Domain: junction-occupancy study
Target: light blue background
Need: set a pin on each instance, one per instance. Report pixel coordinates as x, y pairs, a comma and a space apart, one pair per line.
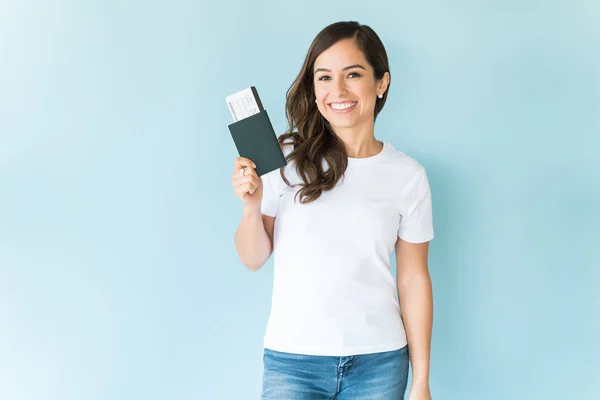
118, 272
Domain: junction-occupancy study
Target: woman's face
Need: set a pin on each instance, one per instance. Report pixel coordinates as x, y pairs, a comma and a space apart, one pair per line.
345, 85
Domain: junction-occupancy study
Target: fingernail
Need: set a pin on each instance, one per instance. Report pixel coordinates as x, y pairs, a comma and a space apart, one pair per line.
254, 165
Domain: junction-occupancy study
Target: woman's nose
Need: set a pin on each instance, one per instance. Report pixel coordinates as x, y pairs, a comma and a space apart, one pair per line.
340, 87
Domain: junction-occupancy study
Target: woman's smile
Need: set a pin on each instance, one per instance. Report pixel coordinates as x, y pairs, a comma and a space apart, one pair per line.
342, 108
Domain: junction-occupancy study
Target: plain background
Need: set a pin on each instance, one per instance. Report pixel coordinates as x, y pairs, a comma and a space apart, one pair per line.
118, 272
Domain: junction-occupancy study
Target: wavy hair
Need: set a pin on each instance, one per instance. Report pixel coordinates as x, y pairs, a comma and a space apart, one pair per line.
310, 133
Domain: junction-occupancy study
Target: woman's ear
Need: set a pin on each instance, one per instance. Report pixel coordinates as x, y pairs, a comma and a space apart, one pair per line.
383, 83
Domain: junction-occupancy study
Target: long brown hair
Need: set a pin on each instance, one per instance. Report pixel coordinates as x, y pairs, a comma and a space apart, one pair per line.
310, 133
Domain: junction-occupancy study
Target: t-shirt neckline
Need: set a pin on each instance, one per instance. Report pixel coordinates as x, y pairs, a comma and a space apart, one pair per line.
369, 160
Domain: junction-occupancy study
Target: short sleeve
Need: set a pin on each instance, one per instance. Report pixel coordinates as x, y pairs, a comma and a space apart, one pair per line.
416, 226
270, 199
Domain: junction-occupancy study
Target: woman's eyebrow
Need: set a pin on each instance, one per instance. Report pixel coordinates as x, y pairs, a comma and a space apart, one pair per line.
344, 69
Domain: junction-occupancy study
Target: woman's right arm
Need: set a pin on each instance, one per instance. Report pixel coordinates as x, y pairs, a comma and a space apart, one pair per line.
254, 236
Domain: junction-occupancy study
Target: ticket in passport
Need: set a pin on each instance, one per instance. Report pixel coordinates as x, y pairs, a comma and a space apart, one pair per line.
244, 104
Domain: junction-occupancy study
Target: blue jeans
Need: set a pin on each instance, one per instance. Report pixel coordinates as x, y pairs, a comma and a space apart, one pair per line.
376, 376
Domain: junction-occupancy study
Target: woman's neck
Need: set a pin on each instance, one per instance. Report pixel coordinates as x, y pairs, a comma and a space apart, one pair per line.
360, 142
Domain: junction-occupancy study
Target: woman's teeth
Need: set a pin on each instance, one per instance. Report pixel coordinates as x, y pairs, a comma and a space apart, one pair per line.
343, 106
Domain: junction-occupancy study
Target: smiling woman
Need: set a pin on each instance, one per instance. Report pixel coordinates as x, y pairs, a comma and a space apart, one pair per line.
335, 330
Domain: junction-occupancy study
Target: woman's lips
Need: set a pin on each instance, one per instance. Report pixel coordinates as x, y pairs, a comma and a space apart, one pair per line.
343, 110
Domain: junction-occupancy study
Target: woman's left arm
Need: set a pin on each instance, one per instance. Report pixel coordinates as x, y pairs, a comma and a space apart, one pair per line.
416, 305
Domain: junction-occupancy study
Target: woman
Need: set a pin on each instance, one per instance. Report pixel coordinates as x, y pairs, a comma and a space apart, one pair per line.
332, 218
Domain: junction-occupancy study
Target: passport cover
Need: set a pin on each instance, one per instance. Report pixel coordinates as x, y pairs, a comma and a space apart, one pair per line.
255, 139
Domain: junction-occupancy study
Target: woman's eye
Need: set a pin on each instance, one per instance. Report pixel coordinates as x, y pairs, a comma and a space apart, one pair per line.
350, 75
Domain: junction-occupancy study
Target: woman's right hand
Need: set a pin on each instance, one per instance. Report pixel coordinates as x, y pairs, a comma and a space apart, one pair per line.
247, 185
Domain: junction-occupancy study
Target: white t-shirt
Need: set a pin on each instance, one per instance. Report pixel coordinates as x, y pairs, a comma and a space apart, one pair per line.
333, 291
